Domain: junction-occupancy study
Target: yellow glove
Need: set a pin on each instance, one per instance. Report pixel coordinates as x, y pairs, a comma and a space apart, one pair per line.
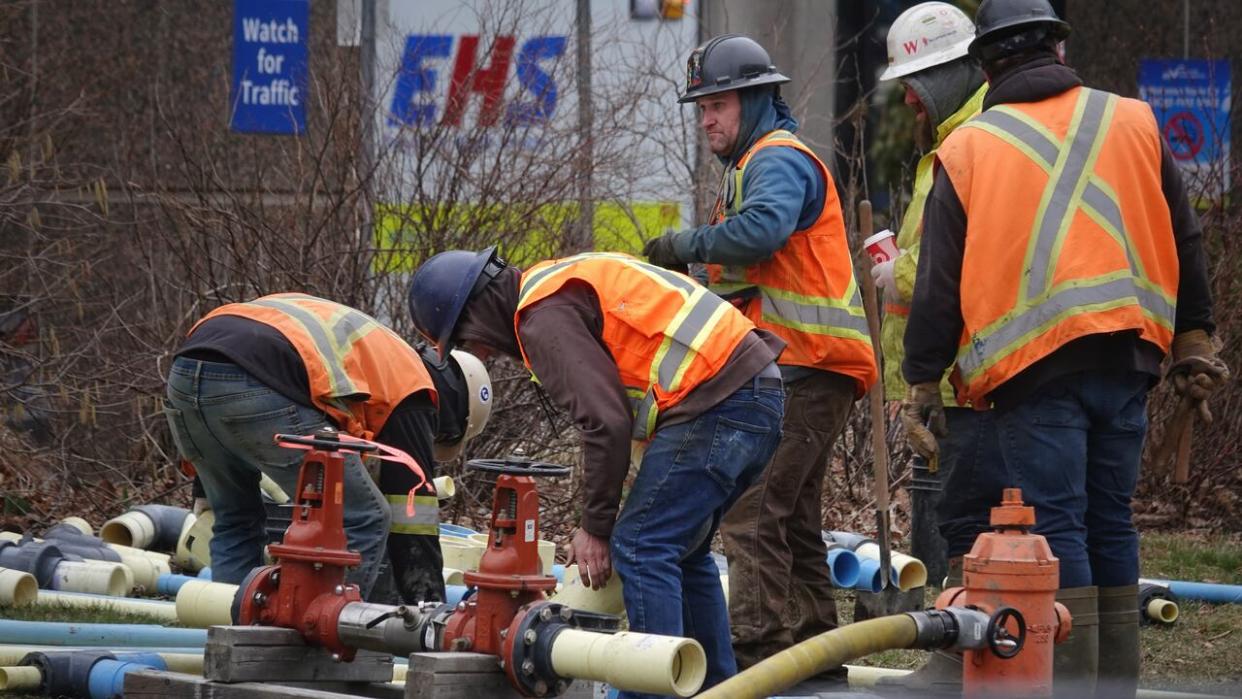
1196, 372
922, 413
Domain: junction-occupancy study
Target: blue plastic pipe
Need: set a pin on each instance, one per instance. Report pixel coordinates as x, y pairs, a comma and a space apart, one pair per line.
170, 583
843, 567
558, 572
868, 575
455, 530
204, 574
54, 633
454, 593
107, 677
1204, 592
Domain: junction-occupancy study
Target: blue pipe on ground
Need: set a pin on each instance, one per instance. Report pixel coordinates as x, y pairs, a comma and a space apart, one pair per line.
70, 540
558, 572
844, 568
107, 677
868, 575
455, 530
54, 633
65, 673
454, 593
1204, 592
168, 523
39, 559
204, 574
170, 583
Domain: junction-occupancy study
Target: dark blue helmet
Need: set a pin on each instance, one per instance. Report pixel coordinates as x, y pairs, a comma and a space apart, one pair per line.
442, 286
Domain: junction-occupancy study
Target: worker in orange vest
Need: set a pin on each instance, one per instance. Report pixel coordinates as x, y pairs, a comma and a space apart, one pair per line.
776, 248
293, 363
632, 352
1060, 262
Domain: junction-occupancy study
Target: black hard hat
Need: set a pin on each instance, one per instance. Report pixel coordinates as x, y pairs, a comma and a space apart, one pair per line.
443, 285
1004, 27
728, 62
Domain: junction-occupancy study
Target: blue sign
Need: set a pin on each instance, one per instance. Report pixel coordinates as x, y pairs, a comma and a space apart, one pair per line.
1190, 99
269, 66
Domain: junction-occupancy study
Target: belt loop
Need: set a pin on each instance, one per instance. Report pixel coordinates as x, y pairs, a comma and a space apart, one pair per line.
198, 371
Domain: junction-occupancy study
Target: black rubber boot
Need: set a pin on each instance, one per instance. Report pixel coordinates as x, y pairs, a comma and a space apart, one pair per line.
1119, 656
1075, 663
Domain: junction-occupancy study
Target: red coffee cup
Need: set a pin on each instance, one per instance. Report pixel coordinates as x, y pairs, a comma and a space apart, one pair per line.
882, 246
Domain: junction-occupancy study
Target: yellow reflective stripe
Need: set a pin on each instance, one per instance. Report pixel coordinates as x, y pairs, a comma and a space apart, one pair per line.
1013, 330
645, 415
426, 519
332, 339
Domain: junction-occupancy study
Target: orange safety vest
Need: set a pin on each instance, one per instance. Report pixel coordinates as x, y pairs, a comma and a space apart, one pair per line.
666, 333
358, 369
807, 294
1068, 233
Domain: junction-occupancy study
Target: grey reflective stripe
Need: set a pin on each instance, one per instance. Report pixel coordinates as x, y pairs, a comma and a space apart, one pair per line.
813, 314
989, 347
426, 519
705, 305
1093, 196
340, 382
1065, 190
645, 413
674, 280
1022, 131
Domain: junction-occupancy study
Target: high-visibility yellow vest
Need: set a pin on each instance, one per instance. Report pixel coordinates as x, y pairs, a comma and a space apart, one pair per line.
1068, 233
666, 333
806, 292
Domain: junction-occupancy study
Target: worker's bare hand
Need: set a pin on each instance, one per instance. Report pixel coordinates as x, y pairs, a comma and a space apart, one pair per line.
592, 555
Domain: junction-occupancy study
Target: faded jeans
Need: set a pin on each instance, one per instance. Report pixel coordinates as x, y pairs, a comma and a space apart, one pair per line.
222, 421
1073, 447
690, 475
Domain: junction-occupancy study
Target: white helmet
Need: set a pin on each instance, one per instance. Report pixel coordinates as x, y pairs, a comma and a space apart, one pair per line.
928, 34
479, 396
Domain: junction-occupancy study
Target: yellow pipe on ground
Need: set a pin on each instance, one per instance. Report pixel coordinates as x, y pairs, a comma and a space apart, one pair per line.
163, 611
574, 593
79, 524
445, 487
629, 661
190, 663
17, 588
1162, 610
273, 490
911, 572
196, 541
815, 655
20, 680
452, 576
145, 568
94, 577
460, 553
201, 604
133, 528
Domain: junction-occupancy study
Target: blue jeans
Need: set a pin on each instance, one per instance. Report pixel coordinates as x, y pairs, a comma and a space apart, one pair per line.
974, 476
1073, 447
690, 475
222, 421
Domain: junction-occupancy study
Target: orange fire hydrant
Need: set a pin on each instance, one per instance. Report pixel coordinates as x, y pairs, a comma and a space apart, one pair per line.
1012, 575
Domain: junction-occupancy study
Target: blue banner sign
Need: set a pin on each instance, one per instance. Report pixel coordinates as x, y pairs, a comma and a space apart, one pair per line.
269, 66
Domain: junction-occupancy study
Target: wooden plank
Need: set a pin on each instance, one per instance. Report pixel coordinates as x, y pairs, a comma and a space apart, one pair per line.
171, 685
453, 662
265, 654
458, 685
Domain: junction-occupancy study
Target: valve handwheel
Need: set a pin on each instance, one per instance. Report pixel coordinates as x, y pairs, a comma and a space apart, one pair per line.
1002, 643
518, 466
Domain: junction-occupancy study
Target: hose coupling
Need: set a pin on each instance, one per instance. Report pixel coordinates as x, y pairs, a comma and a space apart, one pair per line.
952, 628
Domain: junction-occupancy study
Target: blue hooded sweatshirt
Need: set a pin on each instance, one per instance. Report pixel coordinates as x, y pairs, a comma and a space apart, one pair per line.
783, 191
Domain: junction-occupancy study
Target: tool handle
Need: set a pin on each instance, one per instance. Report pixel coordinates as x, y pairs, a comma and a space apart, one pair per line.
879, 441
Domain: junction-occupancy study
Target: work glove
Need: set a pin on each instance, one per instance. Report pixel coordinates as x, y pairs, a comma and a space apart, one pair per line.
922, 413
659, 251
1196, 372
882, 274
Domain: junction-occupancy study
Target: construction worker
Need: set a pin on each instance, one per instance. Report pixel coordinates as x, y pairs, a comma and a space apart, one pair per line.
1060, 262
776, 248
630, 351
293, 363
943, 87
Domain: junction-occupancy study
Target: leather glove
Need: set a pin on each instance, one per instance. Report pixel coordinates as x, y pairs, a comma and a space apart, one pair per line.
922, 413
882, 274
1196, 372
659, 251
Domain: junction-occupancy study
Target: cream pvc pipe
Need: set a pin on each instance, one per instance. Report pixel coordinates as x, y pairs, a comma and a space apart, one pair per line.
131, 551
133, 528
273, 490
20, 680
480, 539
547, 556
201, 604
460, 554
452, 576
399, 673
146, 567
910, 571
95, 577
183, 658
79, 524
182, 555
575, 594
445, 487
197, 541
636, 662
863, 676
164, 611
17, 588
1162, 610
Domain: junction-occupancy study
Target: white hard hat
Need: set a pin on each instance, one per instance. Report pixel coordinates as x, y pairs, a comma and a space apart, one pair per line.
479, 398
928, 34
